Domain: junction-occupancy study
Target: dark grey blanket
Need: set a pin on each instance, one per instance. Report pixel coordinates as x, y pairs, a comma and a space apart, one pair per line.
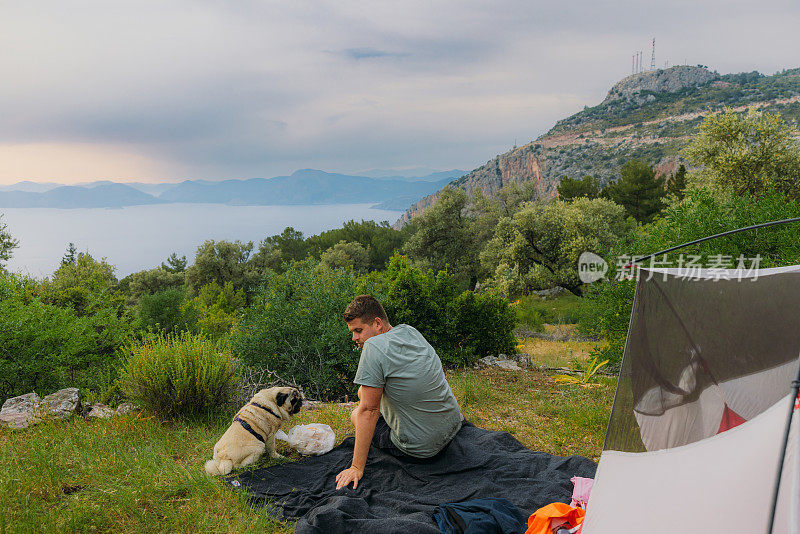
397, 496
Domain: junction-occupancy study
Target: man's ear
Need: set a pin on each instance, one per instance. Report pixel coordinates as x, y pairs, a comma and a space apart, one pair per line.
378, 322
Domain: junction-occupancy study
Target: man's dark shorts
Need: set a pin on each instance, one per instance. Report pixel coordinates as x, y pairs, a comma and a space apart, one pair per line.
382, 440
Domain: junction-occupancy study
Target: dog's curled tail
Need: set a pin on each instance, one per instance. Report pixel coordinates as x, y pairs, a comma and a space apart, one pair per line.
219, 467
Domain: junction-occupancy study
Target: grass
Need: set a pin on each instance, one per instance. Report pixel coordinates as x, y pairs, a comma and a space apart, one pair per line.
141, 474
542, 415
534, 311
558, 353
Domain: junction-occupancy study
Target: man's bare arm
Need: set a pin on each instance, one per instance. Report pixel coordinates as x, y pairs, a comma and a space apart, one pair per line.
364, 418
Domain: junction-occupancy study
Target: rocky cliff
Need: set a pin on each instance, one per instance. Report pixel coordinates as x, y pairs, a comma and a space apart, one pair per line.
646, 84
650, 116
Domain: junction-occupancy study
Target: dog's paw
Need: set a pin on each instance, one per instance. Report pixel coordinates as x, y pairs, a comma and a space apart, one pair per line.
276, 455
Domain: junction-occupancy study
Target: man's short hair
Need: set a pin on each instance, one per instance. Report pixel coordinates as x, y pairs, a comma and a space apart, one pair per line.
366, 308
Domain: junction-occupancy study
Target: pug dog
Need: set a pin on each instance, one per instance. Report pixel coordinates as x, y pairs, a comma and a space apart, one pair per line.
253, 429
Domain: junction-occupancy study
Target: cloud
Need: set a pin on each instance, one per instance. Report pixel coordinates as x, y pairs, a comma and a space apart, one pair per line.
215, 90
370, 53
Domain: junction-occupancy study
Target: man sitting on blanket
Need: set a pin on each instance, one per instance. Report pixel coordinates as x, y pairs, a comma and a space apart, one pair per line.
406, 406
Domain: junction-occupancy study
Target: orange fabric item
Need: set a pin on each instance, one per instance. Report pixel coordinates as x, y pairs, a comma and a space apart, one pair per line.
539, 522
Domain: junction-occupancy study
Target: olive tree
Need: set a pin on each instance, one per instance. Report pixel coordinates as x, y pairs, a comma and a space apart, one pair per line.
747, 153
539, 246
344, 255
222, 261
443, 240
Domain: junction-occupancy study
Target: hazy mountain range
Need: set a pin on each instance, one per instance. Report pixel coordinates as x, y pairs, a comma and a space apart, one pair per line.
387, 189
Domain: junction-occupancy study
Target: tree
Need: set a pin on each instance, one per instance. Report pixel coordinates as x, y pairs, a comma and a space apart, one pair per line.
161, 311
379, 239
86, 286
442, 239
638, 191
540, 245
676, 185
220, 262
344, 255
513, 195
749, 153
267, 258
153, 281
291, 244
278, 249
70, 255
7, 243
215, 310
572, 188
174, 264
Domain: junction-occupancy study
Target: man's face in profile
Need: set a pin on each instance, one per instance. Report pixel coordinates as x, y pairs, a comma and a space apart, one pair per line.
362, 331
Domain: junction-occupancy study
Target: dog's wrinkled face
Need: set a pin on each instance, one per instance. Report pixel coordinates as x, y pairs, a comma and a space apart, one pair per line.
290, 399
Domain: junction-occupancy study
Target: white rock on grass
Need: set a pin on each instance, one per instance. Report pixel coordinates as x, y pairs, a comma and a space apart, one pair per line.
101, 411
17, 412
126, 408
62, 404
500, 361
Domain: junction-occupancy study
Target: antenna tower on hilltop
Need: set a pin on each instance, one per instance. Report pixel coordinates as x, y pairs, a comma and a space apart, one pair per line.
653, 56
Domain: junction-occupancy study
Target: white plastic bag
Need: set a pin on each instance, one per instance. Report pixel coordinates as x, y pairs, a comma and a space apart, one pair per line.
312, 439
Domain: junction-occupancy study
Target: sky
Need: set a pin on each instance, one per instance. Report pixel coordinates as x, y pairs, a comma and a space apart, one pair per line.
156, 91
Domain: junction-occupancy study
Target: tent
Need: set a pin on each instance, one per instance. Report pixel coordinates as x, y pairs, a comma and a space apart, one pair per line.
700, 414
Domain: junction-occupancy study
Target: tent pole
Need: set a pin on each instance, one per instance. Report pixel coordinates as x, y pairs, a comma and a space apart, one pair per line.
795, 390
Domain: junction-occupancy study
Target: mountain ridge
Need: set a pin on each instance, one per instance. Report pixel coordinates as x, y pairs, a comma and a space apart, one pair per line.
303, 187
650, 116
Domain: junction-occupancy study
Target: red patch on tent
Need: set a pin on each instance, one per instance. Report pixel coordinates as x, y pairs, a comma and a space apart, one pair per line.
730, 419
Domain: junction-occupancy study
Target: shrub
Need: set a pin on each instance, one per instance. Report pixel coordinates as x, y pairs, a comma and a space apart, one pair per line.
294, 327
161, 311
44, 348
483, 325
85, 285
178, 375
215, 310
461, 326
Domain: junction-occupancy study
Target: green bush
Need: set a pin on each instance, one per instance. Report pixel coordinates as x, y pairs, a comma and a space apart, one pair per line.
483, 325
461, 326
294, 327
44, 348
161, 311
215, 310
178, 375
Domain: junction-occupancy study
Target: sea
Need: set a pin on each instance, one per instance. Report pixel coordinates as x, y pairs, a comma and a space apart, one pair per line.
141, 237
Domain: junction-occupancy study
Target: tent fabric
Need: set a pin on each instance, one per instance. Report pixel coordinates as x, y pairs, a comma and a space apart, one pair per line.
397, 496
701, 406
699, 343
719, 484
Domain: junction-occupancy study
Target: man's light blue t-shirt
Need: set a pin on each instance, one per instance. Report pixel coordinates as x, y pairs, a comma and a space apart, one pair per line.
417, 402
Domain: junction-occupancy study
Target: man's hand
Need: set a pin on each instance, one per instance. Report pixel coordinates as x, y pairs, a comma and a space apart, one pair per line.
364, 418
352, 474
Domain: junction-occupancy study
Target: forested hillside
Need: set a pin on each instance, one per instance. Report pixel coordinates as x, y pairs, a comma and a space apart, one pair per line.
650, 116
